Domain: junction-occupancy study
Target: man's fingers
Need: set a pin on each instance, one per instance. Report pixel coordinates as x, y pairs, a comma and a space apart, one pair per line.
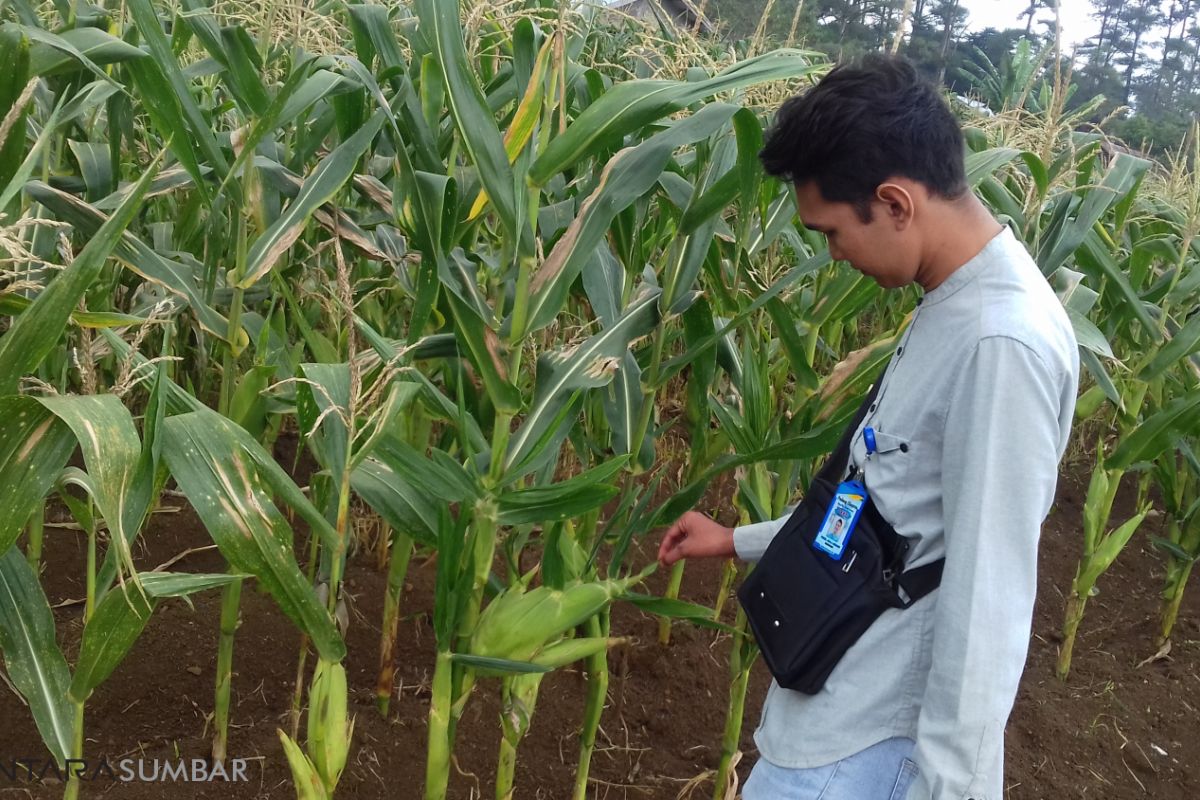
672, 542
673, 554
669, 540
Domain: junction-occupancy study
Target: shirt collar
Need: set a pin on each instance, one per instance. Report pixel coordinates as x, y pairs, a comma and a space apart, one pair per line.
970, 270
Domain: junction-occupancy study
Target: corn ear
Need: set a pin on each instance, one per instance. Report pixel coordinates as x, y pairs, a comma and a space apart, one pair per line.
516, 625
308, 784
329, 733
569, 650
1089, 402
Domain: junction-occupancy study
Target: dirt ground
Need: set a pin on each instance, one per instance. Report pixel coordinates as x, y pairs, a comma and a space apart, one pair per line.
1119, 728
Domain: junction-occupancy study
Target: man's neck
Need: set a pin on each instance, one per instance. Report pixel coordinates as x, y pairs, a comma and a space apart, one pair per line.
964, 228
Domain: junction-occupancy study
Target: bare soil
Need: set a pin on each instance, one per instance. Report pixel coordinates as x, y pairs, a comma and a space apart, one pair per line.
1119, 728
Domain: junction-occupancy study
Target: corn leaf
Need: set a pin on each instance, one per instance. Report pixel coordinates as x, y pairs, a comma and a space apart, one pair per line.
10, 188
298, 92
524, 119
1095, 258
119, 619
221, 479
1095, 367
673, 608
603, 282
35, 664
201, 130
1110, 547
817, 442
249, 406
330, 218
84, 46
168, 180
766, 230
138, 257
487, 665
676, 364
168, 120
373, 30
622, 400
687, 253
630, 174
14, 73
1060, 242
563, 500
182, 584
324, 394
982, 164
122, 482
631, 105
34, 447
1185, 342
402, 505
560, 374
483, 345
13, 304
438, 475
1088, 335
95, 165
439, 19
319, 188
1154, 434
234, 51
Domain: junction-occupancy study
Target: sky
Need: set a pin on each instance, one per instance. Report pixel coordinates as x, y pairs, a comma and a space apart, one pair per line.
1077, 23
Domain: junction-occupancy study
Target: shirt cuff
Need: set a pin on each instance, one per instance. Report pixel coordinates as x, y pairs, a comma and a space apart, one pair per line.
750, 541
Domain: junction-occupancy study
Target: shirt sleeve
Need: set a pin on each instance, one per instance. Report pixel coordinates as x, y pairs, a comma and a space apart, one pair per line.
1003, 439
751, 541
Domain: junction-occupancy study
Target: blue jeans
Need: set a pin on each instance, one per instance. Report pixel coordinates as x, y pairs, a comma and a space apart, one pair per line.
883, 771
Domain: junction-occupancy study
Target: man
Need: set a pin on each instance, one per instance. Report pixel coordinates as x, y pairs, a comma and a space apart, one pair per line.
971, 419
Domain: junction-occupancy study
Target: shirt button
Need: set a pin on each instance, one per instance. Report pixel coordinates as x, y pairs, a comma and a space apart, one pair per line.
872, 408
899, 352
903, 448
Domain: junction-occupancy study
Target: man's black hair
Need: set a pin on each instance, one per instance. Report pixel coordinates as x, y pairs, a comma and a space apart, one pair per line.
862, 124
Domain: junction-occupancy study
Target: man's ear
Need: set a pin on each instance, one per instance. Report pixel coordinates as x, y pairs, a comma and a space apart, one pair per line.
898, 202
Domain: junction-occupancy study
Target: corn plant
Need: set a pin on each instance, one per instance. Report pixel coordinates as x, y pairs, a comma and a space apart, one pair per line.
1177, 471
1151, 405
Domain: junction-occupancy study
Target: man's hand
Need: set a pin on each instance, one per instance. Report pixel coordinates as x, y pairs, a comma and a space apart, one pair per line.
695, 536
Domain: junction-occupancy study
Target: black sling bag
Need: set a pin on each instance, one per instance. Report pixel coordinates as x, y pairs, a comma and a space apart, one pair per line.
805, 608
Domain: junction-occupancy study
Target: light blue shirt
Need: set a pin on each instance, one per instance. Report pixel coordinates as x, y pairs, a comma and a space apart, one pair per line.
972, 417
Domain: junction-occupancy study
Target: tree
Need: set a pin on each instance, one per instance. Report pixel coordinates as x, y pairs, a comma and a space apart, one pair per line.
1106, 11
1139, 18
1031, 11
952, 19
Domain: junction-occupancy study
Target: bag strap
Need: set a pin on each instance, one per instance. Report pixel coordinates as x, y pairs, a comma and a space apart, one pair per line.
835, 466
919, 581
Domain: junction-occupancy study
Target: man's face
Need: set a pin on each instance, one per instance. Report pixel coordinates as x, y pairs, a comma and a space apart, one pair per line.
879, 249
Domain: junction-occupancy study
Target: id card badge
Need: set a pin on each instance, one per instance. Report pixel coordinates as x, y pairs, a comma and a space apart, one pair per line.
840, 519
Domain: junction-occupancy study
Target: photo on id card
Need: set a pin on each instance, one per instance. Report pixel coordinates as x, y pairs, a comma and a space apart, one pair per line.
840, 519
